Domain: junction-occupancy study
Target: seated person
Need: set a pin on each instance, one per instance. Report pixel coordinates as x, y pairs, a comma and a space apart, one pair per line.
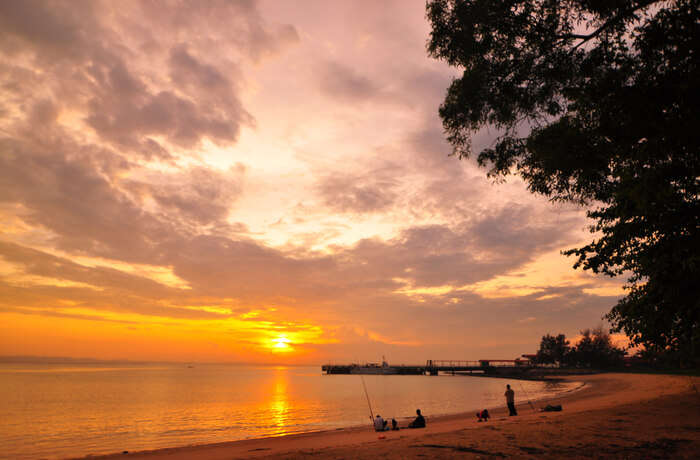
483, 415
419, 422
380, 424
394, 425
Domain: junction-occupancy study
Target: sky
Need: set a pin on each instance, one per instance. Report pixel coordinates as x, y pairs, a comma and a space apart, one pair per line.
260, 181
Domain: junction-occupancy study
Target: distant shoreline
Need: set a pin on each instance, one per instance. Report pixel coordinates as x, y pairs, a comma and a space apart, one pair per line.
602, 398
15, 359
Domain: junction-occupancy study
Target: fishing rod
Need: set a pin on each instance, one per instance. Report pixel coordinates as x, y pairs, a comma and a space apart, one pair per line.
371, 414
527, 397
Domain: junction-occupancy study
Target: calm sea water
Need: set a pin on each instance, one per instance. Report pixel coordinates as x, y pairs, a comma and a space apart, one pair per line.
56, 411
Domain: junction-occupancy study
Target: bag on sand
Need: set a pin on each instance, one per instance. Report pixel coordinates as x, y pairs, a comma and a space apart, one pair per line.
551, 408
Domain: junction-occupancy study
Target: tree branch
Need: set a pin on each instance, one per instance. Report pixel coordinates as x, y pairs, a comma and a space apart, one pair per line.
588, 37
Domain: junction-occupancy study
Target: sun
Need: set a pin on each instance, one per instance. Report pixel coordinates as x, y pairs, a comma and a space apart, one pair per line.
281, 343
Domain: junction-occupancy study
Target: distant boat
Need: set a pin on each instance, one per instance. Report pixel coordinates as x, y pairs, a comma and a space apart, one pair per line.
374, 368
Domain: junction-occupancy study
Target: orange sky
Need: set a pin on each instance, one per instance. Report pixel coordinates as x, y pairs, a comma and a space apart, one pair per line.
259, 182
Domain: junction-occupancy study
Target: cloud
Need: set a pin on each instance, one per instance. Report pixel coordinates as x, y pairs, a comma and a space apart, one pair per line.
50, 31
92, 91
98, 60
235, 23
64, 191
196, 195
342, 82
186, 70
367, 193
437, 255
208, 164
39, 263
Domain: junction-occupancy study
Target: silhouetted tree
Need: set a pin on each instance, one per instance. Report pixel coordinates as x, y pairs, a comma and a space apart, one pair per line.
596, 102
595, 349
553, 350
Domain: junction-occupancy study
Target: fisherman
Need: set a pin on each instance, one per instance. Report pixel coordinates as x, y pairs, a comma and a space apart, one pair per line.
419, 422
510, 400
380, 424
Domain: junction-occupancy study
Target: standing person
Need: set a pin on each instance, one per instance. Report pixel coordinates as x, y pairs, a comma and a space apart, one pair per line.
510, 399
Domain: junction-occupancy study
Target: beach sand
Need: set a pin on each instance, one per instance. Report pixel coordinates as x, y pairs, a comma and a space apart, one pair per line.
613, 415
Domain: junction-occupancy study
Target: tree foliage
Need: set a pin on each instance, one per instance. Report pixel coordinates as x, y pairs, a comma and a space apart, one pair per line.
553, 350
595, 349
596, 102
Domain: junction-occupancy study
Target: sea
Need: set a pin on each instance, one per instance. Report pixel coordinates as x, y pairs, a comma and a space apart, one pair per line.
76, 410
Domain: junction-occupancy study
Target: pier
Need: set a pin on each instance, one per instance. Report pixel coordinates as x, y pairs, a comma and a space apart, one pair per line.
505, 367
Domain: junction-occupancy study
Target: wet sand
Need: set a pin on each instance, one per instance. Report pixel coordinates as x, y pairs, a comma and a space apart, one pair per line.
612, 416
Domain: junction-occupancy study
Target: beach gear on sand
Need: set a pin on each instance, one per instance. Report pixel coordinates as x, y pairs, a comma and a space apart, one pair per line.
552, 408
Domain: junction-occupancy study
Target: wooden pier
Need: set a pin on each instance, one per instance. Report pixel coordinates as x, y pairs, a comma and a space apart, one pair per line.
505, 367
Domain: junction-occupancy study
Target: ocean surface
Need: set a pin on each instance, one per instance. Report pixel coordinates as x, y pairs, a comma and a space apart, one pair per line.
59, 410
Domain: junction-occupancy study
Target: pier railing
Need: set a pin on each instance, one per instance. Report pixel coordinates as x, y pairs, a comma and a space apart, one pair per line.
451, 363
435, 366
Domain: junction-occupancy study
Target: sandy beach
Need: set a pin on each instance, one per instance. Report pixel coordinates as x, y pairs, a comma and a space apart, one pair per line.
613, 415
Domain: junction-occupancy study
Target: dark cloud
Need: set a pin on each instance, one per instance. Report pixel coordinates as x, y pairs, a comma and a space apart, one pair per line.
518, 229
88, 60
342, 82
350, 86
355, 193
50, 29
91, 59
219, 22
197, 195
185, 69
125, 119
437, 255
64, 192
96, 288
58, 314
42, 264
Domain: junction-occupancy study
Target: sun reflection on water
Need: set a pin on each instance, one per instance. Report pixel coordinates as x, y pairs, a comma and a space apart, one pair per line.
279, 402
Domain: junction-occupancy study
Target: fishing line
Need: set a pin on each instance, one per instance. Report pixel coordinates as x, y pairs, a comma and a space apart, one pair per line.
527, 397
371, 415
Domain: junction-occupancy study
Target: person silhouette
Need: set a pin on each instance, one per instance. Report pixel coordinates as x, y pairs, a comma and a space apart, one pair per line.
419, 422
483, 415
510, 400
380, 424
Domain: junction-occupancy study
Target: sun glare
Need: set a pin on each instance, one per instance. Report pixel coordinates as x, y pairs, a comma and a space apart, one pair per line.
281, 343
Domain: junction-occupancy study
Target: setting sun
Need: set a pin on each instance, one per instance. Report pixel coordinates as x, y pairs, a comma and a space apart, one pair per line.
281, 343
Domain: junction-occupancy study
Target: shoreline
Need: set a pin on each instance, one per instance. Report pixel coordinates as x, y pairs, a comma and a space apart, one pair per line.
403, 421
439, 418
599, 399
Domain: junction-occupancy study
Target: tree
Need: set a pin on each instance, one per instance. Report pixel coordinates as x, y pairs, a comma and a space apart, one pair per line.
595, 349
553, 350
595, 102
